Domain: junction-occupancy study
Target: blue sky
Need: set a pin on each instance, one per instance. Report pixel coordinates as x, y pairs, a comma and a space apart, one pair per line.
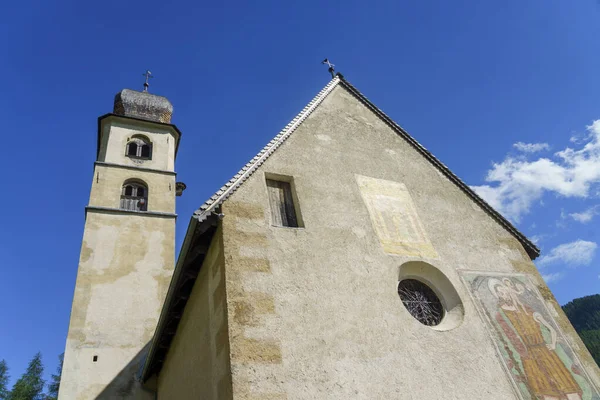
504, 93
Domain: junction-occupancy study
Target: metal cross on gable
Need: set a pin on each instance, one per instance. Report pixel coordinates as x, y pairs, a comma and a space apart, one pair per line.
330, 65
148, 75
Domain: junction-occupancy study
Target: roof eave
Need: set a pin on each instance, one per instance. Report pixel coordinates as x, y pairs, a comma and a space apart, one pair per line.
198, 237
229, 188
226, 190
532, 250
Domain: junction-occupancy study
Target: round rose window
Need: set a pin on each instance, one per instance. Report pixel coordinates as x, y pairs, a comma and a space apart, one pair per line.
421, 302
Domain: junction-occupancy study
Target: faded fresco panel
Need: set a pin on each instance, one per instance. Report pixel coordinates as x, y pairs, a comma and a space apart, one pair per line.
535, 354
395, 218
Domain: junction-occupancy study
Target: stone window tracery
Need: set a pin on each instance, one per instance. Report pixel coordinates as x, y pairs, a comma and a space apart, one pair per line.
134, 197
139, 147
421, 302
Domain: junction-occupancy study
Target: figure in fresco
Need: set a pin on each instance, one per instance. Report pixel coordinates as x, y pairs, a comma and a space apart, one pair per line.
546, 374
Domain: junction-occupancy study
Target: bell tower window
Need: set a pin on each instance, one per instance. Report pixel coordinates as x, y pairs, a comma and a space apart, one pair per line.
139, 147
134, 197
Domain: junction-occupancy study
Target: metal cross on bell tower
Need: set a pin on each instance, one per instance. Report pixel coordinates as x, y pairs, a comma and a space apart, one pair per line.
148, 75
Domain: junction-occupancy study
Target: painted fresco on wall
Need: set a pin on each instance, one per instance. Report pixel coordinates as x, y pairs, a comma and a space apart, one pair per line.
394, 217
535, 354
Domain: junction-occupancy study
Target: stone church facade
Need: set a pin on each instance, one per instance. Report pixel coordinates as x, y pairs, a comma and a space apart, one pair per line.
344, 261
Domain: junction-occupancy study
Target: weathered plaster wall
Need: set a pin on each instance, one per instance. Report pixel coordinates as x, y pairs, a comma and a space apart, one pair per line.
125, 267
117, 133
314, 313
109, 180
124, 271
197, 364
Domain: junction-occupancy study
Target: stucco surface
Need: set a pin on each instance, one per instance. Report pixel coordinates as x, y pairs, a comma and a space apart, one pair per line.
124, 271
125, 267
313, 312
117, 133
197, 365
109, 180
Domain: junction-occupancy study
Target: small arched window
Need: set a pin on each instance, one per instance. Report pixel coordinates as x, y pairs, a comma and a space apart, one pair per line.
139, 147
134, 196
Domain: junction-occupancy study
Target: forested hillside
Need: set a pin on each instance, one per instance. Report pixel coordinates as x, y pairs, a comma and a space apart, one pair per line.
584, 314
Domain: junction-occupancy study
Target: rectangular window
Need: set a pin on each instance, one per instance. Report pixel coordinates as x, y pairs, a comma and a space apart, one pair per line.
283, 211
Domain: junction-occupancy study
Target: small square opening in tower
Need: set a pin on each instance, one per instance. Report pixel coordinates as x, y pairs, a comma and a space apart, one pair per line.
283, 201
95, 358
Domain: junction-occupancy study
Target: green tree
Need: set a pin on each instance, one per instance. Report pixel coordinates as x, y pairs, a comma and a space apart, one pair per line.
591, 339
54, 384
3, 380
31, 384
584, 314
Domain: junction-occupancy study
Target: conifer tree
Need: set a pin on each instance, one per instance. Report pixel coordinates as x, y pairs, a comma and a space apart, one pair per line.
3, 380
54, 384
31, 384
584, 314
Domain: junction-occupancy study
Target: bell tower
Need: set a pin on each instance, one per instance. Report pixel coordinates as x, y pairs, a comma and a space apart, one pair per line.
127, 254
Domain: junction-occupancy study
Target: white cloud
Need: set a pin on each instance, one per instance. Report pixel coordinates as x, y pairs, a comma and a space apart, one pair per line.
531, 147
515, 183
553, 277
578, 138
561, 223
579, 252
587, 215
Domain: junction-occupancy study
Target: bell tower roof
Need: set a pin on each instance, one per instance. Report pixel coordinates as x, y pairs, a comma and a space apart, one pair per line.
143, 105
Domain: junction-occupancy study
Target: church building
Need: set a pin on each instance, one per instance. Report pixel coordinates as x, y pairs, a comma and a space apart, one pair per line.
344, 261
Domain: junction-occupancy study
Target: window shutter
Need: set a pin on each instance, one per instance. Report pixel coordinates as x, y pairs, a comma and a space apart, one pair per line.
275, 195
283, 212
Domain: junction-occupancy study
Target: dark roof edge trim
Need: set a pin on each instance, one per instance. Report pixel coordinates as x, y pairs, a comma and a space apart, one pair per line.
231, 186
530, 247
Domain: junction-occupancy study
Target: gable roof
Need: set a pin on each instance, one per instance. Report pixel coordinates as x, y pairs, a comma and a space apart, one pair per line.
204, 222
231, 186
